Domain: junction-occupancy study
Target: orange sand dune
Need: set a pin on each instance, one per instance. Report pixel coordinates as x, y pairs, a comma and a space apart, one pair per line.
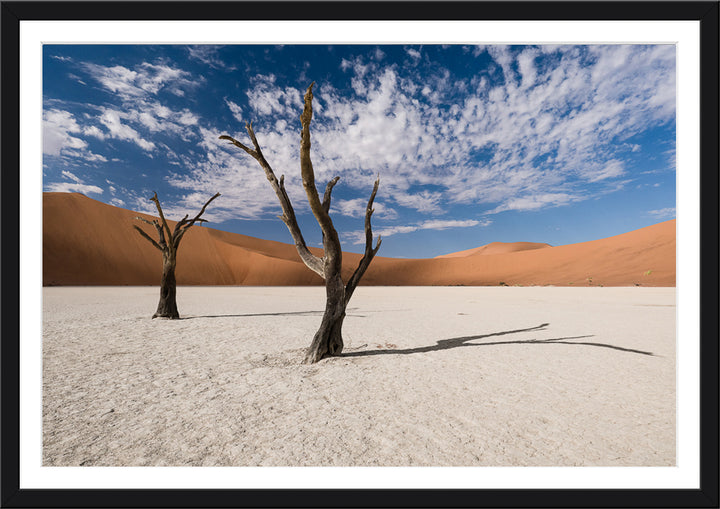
497, 248
86, 242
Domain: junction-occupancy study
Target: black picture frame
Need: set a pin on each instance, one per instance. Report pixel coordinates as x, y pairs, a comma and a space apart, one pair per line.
706, 12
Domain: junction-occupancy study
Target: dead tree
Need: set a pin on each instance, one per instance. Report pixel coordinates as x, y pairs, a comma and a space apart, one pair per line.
167, 307
328, 340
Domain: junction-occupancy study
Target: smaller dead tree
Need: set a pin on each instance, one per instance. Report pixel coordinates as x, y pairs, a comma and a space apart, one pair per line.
168, 242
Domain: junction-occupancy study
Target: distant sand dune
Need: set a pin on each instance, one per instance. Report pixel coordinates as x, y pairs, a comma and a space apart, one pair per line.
497, 248
86, 242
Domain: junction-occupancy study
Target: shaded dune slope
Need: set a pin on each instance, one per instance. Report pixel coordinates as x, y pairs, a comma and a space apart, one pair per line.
86, 242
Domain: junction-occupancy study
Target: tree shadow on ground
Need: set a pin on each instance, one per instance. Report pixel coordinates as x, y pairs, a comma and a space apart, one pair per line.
446, 344
286, 313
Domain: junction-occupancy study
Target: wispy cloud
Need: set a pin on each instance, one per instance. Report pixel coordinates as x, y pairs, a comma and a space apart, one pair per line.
413, 52
358, 237
70, 175
666, 213
61, 137
357, 207
58, 129
75, 186
71, 187
112, 120
209, 55
138, 113
236, 111
266, 98
143, 80
536, 201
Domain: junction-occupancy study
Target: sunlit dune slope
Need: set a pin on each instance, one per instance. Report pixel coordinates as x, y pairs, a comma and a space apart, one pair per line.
86, 242
497, 248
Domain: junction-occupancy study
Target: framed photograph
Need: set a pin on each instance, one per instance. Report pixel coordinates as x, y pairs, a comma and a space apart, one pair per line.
438, 254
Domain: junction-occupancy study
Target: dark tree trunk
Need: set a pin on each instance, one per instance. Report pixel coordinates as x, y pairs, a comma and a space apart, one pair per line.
328, 340
167, 307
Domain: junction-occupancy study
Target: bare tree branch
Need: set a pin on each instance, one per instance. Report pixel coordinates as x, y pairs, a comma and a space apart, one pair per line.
238, 144
369, 251
146, 236
179, 224
180, 228
313, 262
331, 241
176, 239
145, 220
162, 216
161, 235
328, 190
202, 211
185, 224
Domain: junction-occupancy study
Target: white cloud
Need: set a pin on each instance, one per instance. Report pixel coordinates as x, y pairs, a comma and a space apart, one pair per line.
358, 237
188, 118
149, 121
424, 201
526, 65
443, 225
156, 118
117, 79
236, 110
76, 78
357, 207
533, 202
385, 232
613, 168
111, 119
209, 55
87, 155
71, 176
76, 186
265, 98
413, 53
68, 187
161, 110
57, 128
671, 157
144, 80
94, 131
667, 213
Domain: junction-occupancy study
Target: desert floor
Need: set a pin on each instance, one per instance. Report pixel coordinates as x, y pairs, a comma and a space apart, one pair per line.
462, 376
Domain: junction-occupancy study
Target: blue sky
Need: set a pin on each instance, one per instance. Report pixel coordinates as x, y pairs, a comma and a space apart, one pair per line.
473, 144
